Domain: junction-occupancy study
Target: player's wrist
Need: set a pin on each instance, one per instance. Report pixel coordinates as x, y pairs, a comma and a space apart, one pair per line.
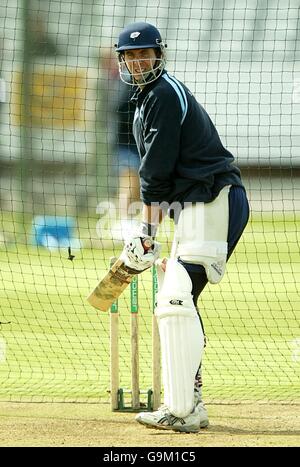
148, 230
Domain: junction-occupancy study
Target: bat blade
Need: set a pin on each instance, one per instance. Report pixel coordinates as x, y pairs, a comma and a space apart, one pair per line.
111, 286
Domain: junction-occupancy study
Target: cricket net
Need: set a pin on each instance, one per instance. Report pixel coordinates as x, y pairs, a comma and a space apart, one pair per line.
68, 176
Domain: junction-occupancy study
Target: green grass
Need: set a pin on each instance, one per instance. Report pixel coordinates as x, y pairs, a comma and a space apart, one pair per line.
56, 347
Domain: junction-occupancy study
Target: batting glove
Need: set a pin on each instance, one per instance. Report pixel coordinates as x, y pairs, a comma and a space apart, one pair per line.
140, 251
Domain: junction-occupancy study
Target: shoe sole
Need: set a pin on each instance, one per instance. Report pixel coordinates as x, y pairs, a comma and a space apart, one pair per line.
178, 429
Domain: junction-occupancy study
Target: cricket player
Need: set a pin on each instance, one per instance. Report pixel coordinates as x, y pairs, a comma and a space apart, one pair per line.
187, 172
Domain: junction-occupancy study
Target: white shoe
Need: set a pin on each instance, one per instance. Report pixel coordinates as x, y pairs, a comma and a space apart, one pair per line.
163, 419
201, 409
199, 405
122, 229
197, 396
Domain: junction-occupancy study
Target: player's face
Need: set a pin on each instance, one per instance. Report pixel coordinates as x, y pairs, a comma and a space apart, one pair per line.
140, 62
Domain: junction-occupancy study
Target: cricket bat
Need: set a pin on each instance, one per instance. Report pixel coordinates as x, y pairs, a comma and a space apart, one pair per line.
113, 283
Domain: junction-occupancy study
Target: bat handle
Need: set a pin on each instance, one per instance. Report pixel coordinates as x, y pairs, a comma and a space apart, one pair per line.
147, 243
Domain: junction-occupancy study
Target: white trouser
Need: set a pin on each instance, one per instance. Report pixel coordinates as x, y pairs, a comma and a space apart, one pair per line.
201, 235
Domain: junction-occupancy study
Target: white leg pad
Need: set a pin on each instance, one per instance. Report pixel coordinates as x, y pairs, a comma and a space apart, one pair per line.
181, 339
160, 266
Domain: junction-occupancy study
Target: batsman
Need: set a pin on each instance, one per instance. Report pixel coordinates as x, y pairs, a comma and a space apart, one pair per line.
187, 173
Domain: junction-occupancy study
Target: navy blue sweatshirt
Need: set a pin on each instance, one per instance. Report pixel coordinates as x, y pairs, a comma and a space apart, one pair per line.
182, 157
